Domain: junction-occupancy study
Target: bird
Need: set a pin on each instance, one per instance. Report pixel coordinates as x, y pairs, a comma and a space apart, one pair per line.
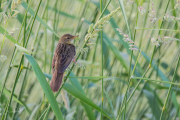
63, 55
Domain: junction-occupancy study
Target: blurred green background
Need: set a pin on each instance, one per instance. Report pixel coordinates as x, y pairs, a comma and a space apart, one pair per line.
137, 48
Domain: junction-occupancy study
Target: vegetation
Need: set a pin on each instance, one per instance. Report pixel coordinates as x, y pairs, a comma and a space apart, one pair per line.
126, 65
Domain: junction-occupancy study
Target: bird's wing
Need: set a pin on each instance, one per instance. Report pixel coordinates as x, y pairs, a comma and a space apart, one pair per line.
65, 56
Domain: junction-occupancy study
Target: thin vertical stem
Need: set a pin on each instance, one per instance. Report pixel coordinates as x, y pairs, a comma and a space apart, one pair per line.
136, 64
164, 107
5, 114
129, 73
13, 54
101, 63
53, 36
45, 41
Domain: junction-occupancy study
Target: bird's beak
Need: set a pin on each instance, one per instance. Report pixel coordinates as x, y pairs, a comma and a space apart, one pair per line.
75, 36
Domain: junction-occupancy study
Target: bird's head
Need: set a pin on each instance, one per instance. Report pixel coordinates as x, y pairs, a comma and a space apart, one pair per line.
66, 38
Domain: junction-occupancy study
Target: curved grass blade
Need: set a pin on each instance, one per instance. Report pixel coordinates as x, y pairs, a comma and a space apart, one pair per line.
154, 66
76, 84
34, 112
62, 13
175, 102
89, 77
124, 14
74, 81
115, 51
22, 49
45, 86
153, 103
110, 102
30, 10
152, 80
95, 79
79, 94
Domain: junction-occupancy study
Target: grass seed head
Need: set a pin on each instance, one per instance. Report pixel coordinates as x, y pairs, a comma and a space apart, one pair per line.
141, 9
171, 18
129, 1
15, 13
5, 18
177, 5
152, 13
154, 41
90, 28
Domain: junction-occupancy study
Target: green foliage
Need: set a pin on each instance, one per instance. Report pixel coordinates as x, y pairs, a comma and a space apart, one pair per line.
126, 65
45, 86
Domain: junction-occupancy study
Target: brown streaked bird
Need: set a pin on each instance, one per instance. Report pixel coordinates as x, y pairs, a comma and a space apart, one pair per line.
63, 55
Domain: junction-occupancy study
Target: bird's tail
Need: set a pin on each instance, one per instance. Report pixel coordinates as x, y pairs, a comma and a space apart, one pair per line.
56, 81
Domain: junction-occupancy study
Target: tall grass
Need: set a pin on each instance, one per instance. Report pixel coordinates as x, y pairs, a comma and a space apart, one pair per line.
127, 59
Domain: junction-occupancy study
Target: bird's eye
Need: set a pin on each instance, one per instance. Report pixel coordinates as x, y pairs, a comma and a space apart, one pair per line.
67, 37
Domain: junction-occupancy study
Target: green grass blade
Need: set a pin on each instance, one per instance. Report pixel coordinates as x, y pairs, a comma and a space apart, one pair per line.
96, 79
110, 102
62, 13
34, 112
124, 14
89, 77
30, 10
89, 111
102, 82
175, 102
45, 86
22, 49
115, 52
154, 66
79, 94
74, 81
152, 80
153, 104
76, 84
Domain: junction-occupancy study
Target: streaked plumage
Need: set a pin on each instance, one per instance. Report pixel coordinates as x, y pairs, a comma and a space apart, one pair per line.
63, 56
